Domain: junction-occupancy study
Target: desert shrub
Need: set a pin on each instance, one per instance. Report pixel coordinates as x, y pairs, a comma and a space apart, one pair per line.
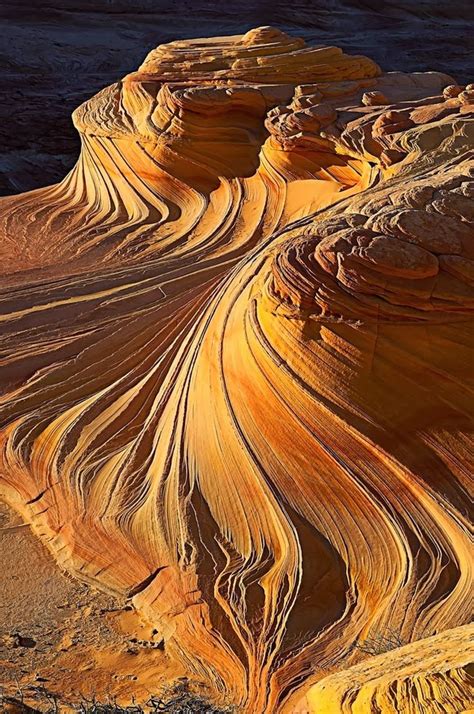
389, 639
178, 699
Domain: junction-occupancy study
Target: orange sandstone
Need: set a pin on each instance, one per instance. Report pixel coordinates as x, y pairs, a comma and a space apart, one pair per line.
237, 348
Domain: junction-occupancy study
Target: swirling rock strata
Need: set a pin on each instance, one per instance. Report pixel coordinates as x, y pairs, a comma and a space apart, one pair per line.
387, 683
237, 356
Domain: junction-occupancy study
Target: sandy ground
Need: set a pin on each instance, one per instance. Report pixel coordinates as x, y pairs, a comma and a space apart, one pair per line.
60, 636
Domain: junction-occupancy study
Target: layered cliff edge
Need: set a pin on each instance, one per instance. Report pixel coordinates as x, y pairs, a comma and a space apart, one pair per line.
237, 348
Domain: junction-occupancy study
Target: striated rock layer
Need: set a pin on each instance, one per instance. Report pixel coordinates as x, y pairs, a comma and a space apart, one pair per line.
237, 348
412, 680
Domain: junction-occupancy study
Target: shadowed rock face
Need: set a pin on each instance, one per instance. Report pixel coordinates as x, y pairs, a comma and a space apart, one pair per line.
237, 354
56, 55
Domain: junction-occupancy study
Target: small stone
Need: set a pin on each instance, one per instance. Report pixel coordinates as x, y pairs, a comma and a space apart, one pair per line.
452, 91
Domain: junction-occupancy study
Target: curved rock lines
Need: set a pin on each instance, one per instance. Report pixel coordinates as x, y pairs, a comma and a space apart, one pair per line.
387, 682
234, 389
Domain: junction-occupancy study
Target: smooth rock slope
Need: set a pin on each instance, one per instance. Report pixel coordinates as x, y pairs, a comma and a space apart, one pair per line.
237, 348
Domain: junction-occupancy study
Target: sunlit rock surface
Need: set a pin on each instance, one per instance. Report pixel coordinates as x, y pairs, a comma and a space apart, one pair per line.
414, 679
237, 349
58, 54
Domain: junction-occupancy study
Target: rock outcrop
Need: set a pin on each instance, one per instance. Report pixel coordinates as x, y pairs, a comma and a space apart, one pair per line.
414, 679
237, 347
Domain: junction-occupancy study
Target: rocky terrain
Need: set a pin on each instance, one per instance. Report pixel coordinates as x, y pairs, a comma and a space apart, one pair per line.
54, 56
236, 349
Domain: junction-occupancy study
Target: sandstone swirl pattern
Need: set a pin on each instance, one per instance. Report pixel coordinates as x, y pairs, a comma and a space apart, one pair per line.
237, 349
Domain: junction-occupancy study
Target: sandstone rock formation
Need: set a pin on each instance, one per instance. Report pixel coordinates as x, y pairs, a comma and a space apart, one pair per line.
237, 347
57, 55
415, 678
